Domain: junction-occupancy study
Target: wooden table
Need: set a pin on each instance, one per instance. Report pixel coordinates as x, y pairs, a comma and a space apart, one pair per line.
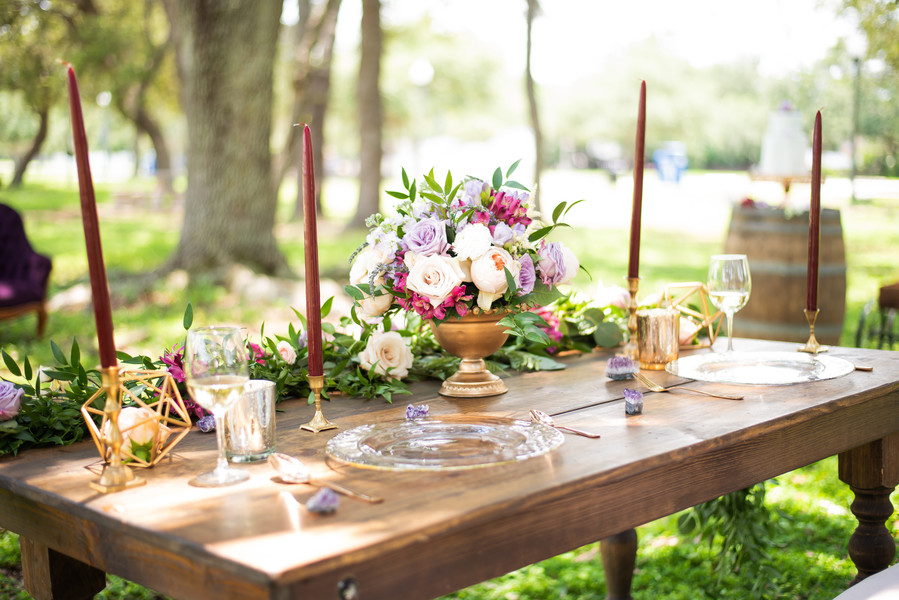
438, 532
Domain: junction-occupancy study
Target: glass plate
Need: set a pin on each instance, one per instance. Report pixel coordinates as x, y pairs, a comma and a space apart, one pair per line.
760, 368
443, 443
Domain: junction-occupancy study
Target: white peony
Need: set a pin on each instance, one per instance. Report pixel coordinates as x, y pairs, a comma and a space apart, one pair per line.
388, 354
488, 272
571, 263
287, 352
473, 241
435, 277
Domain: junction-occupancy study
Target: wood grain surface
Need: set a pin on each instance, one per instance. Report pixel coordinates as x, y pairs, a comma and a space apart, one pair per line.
439, 531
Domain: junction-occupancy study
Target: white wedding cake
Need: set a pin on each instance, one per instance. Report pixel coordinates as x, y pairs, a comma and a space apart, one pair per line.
785, 143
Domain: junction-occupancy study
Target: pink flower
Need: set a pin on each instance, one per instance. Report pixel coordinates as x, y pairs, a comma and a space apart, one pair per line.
510, 207
257, 354
287, 352
174, 362
10, 400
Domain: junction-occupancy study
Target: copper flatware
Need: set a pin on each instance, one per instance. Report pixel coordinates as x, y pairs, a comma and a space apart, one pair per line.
655, 387
292, 470
541, 417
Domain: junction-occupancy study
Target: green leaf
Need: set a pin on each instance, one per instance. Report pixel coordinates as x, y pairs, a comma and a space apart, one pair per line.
405, 180
58, 353
497, 178
432, 183
354, 292
607, 335
412, 191
431, 196
558, 210
516, 185
11, 365
326, 307
60, 375
27, 370
510, 281
540, 233
512, 168
399, 195
448, 184
188, 316
76, 352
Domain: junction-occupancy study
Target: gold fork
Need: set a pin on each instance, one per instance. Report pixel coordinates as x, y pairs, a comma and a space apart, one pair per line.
655, 387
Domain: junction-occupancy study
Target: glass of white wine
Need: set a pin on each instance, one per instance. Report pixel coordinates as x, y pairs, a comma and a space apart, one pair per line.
216, 367
729, 286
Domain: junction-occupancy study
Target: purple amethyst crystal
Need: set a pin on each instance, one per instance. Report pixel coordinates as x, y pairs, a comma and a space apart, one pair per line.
620, 367
323, 502
206, 424
633, 401
417, 412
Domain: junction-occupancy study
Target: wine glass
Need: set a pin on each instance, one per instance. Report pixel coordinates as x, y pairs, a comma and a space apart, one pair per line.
729, 287
215, 364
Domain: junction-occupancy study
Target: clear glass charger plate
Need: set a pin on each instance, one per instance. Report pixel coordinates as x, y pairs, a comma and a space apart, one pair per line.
760, 368
443, 443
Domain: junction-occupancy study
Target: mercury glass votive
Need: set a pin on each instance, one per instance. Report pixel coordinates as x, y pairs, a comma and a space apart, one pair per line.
658, 332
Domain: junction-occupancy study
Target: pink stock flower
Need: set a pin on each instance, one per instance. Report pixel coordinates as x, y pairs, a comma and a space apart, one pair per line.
509, 207
174, 362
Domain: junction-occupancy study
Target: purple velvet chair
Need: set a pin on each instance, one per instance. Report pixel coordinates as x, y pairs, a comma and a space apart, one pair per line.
23, 272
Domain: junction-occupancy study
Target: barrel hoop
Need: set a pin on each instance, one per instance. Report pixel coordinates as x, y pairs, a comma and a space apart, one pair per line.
772, 227
778, 268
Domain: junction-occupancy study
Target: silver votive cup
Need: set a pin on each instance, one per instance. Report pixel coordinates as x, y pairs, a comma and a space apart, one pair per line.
250, 423
658, 330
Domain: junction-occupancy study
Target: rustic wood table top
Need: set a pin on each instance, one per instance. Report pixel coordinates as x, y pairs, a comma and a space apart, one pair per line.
436, 532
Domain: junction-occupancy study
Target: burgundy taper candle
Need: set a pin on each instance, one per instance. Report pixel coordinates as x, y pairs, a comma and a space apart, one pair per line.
633, 265
313, 296
99, 286
814, 221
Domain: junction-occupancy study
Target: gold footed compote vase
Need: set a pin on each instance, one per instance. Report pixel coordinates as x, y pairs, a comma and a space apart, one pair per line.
472, 338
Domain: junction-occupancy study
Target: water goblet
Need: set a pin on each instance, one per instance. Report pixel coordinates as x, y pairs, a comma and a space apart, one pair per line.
215, 364
729, 286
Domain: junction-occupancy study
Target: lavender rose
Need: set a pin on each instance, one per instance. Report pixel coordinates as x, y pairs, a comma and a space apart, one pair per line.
427, 237
552, 263
502, 234
10, 400
527, 276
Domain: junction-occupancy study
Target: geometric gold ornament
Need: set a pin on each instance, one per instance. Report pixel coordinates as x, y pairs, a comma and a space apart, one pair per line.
172, 422
685, 297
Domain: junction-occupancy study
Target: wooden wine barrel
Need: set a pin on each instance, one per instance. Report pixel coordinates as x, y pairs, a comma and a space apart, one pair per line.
777, 247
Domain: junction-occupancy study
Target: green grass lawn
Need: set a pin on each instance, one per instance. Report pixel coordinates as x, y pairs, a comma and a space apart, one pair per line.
808, 505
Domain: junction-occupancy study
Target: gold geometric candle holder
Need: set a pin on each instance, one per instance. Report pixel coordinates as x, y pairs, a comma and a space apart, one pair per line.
167, 412
683, 297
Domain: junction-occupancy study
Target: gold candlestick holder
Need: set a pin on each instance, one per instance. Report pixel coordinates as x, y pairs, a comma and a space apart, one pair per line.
318, 422
116, 476
631, 349
812, 346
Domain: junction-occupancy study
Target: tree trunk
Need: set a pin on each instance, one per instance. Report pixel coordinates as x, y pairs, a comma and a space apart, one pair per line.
225, 54
533, 7
370, 114
148, 125
22, 163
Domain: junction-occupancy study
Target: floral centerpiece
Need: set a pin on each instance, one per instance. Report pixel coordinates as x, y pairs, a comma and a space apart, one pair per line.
461, 249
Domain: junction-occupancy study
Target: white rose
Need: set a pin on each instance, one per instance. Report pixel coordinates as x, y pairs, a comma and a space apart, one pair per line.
138, 426
473, 241
435, 277
388, 353
571, 263
375, 306
488, 272
365, 264
287, 352
688, 330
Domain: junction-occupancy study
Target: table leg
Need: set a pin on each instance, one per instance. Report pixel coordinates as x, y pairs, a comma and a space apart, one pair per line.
872, 472
619, 556
51, 575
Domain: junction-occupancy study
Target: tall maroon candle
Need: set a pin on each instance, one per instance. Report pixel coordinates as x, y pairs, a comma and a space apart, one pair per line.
99, 286
633, 265
313, 297
814, 221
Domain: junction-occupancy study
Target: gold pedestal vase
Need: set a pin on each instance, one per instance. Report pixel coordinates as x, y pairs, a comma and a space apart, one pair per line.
472, 338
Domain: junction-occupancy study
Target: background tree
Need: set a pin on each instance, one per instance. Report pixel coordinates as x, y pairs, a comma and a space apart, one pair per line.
532, 11
370, 113
225, 55
31, 38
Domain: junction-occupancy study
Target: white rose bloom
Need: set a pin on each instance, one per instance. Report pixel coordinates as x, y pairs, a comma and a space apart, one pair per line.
138, 425
365, 264
375, 306
287, 352
435, 277
388, 353
571, 263
488, 273
473, 241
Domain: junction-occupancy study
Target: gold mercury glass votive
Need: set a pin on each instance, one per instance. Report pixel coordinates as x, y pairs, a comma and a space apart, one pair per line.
658, 330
